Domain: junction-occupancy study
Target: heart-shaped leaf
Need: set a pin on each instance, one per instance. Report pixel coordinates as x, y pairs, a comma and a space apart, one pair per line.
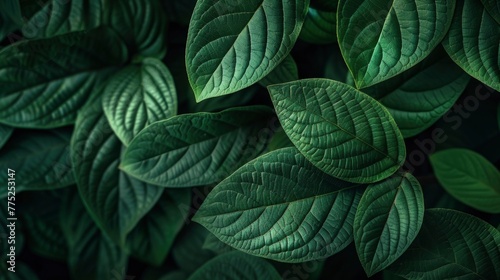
451, 245
137, 96
473, 42
387, 221
234, 44
341, 130
198, 149
380, 39
468, 177
279, 206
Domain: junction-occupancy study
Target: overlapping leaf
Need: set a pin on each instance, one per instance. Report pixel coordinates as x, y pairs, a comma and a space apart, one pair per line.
286, 71
234, 44
197, 149
473, 42
380, 39
279, 206
468, 177
137, 96
44, 82
319, 27
493, 8
452, 245
341, 130
388, 219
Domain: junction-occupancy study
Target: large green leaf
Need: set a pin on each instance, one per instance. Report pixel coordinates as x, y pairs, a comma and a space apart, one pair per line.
137, 96
279, 206
341, 130
5, 133
197, 149
187, 251
468, 177
286, 71
58, 17
41, 160
493, 8
452, 245
426, 96
232, 45
380, 39
154, 235
142, 24
114, 200
236, 266
10, 17
91, 255
45, 82
473, 42
387, 221
319, 27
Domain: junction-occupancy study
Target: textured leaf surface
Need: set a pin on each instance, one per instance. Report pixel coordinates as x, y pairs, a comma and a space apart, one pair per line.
452, 245
473, 42
58, 17
41, 157
115, 201
319, 27
493, 8
137, 96
197, 149
468, 177
341, 130
236, 266
154, 235
232, 45
388, 219
380, 39
279, 206
92, 255
5, 133
44, 82
286, 71
426, 96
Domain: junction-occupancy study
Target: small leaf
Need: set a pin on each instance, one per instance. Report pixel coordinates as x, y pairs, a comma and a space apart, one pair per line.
115, 201
451, 245
5, 133
45, 82
468, 177
472, 42
286, 71
387, 221
41, 157
380, 39
242, 42
154, 235
342, 131
137, 96
236, 266
319, 27
197, 149
279, 206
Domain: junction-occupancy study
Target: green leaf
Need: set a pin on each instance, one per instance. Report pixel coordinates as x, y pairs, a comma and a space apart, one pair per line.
279, 206
387, 221
212, 243
468, 177
10, 17
493, 8
137, 96
41, 158
58, 17
154, 235
286, 71
342, 131
92, 255
236, 266
242, 42
115, 201
197, 149
5, 133
380, 39
279, 140
220, 103
186, 251
45, 82
142, 24
451, 245
319, 27
472, 42
423, 98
